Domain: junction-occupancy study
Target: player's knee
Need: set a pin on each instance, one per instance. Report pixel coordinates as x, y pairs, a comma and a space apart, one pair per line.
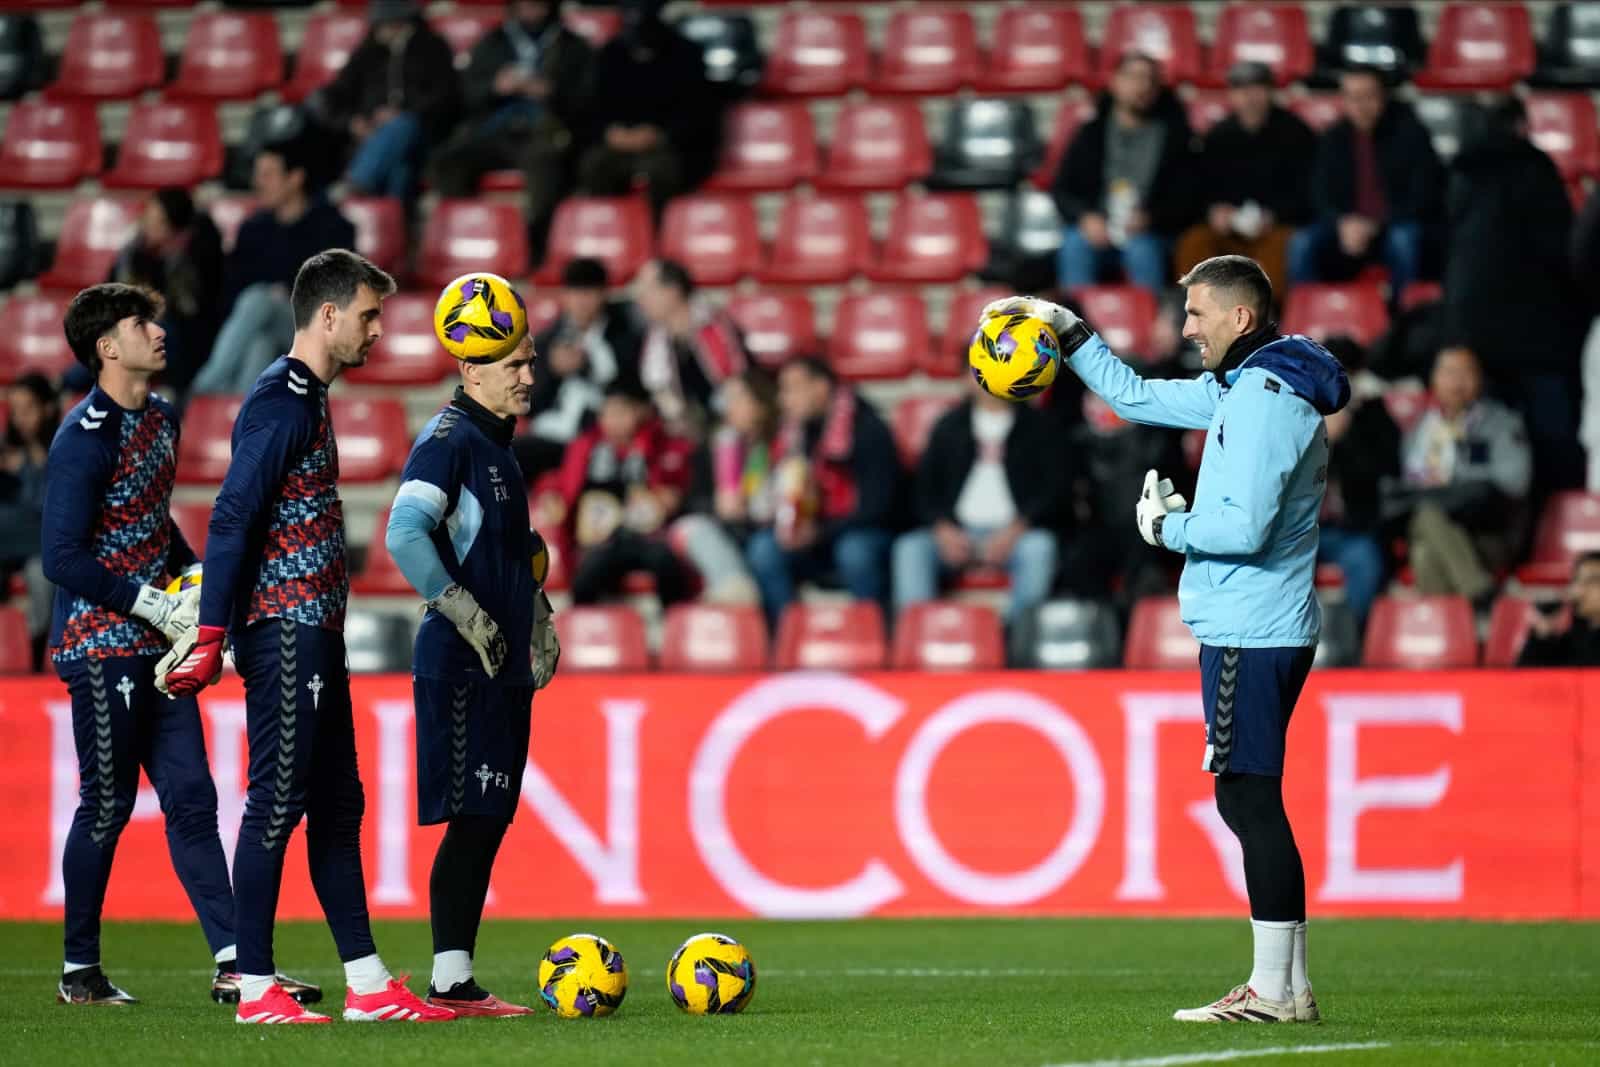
190, 805
857, 555
763, 552
1251, 804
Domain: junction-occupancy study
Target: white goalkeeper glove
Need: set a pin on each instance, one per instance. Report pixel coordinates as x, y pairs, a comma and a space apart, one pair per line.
1070, 330
1156, 502
172, 614
474, 625
546, 646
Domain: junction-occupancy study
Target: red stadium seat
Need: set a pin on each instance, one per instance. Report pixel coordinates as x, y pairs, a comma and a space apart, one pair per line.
615, 230
92, 234
877, 145
194, 520
1406, 406
110, 55
1564, 127
948, 635
816, 53
1353, 309
595, 25
1568, 527
380, 574
207, 441
934, 237
931, 50
713, 637
464, 28
599, 639
50, 144
913, 419
1509, 624
776, 326
229, 213
1206, 108
32, 341
1420, 634
821, 240
229, 55
168, 143
1479, 46
1317, 110
471, 234
831, 637
769, 146
1164, 32
878, 335
329, 39
949, 360
1421, 292
1157, 638
1274, 34
372, 437
16, 646
380, 223
714, 235
1123, 315
1069, 117
1035, 50
408, 353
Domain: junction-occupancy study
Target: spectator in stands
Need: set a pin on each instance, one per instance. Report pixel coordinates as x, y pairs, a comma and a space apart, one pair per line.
177, 252
1375, 190
657, 120
1465, 470
985, 496
690, 349
397, 95
620, 485
294, 222
1586, 272
34, 414
527, 92
1255, 169
1123, 188
836, 475
1577, 644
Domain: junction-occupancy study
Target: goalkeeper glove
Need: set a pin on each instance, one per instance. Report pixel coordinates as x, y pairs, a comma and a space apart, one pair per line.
170, 613
1070, 331
1156, 502
546, 646
194, 662
473, 624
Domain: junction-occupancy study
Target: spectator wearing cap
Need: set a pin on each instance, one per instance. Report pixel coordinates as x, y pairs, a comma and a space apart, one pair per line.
691, 346
1575, 641
1255, 169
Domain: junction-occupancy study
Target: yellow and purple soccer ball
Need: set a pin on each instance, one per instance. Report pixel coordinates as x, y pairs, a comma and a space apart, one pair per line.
583, 976
1014, 356
187, 580
711, 974
480, 318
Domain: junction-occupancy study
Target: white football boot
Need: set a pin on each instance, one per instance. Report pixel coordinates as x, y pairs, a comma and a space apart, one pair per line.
1241, 1005
1305, 1007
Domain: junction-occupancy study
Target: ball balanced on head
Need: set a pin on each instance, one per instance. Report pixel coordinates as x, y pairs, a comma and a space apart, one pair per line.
480, 318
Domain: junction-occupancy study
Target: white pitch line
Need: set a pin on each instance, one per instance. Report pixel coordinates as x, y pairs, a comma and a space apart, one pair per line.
1224, 1055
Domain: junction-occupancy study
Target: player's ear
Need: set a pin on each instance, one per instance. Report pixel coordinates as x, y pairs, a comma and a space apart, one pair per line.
329, 314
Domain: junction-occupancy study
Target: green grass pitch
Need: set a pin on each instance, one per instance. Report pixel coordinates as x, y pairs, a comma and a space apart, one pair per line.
1027, 992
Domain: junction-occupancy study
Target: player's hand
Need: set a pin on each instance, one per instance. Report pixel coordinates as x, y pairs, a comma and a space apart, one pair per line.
1070, 330
194, 662
474, 625
167, 612
1093, 227
546, 646
1156, 501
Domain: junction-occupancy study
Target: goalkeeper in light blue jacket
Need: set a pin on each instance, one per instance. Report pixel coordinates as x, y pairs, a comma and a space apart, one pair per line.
1250, 554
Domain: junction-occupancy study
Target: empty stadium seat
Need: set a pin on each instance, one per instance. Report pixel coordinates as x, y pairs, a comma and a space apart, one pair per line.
269, 124
1570, 55
877, 144
50, 144
767, 146
601, 639
597, 25
948, 635
229, 55
821, 240
1206, 108
471, 234
1406, 406
1479, 46
463, 28
94, 230
727, 43
775, 326
1070, 635
1034, 50
330, 37
816, 53
1353, 309
713, 637
714, 235
1564, 127
1317, 110
987, 144
16, 646
207, 441
936, 237
1509, 624
1123, 315
912, 421
615, 230
1023, 251
110, 56
23, 66
193, 518
1164, 32
1388, 37
1450, 120
408, 353
1274, 34
19, 242
380, 574
168, 143
949, 359
378, 642
1157, 638
878, 335
1421, 292
1568, 527
1421, 633
833, 637
380, 223
928, 50
32, 340
1069, 116
372, 436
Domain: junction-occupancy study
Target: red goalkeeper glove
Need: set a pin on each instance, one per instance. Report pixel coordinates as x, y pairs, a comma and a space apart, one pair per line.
200, 665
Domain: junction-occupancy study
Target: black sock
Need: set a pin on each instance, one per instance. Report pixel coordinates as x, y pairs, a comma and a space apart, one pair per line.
1274, 877
460, 880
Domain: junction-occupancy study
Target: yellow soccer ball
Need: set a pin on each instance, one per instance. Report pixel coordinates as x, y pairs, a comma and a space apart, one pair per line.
1014, 356
711, 974
480, 318
582, 976
184, 581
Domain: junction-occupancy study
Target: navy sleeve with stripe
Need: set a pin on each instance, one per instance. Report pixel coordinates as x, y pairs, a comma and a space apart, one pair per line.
79, 466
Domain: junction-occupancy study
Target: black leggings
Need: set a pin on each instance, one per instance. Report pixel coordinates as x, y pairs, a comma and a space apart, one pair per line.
460, 880
1252, 806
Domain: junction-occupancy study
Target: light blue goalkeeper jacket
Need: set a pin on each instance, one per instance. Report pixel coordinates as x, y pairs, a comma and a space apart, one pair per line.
1250, 535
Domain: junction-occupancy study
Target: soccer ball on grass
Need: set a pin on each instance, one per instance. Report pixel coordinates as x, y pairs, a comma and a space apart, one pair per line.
583, 976
711, 974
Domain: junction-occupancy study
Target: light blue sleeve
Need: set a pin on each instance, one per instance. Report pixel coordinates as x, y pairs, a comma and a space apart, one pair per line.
1267, 431
1185, 404
419, 508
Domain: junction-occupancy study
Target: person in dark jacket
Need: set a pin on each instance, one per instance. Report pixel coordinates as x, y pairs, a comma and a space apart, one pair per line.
1123, 185
1550, 644
983, 496
527, 92
398, 95
1255, 168
1375, 191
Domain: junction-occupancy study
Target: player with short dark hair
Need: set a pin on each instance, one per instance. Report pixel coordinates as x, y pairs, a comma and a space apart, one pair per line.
277, 584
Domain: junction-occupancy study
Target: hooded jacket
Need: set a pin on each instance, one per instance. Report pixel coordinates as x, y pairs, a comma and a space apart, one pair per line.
1250, 536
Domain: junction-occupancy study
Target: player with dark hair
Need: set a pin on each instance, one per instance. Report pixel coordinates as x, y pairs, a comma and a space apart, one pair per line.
109, 546
276, 582
1250, 548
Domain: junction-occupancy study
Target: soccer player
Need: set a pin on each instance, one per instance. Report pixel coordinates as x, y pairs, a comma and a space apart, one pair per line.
459, 532
276, 583
109, 544
1250, 548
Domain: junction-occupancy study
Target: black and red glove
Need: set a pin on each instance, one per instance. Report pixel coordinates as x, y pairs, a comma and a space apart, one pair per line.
196, 667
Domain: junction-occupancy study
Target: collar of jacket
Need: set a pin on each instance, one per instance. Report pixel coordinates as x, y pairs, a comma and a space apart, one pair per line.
1243, 348
499, 430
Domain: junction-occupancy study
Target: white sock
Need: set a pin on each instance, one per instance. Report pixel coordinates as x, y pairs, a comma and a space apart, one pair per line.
1298, 982
229, 953
254, 986
1274, 959
451, 969
68, 968
367, 975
